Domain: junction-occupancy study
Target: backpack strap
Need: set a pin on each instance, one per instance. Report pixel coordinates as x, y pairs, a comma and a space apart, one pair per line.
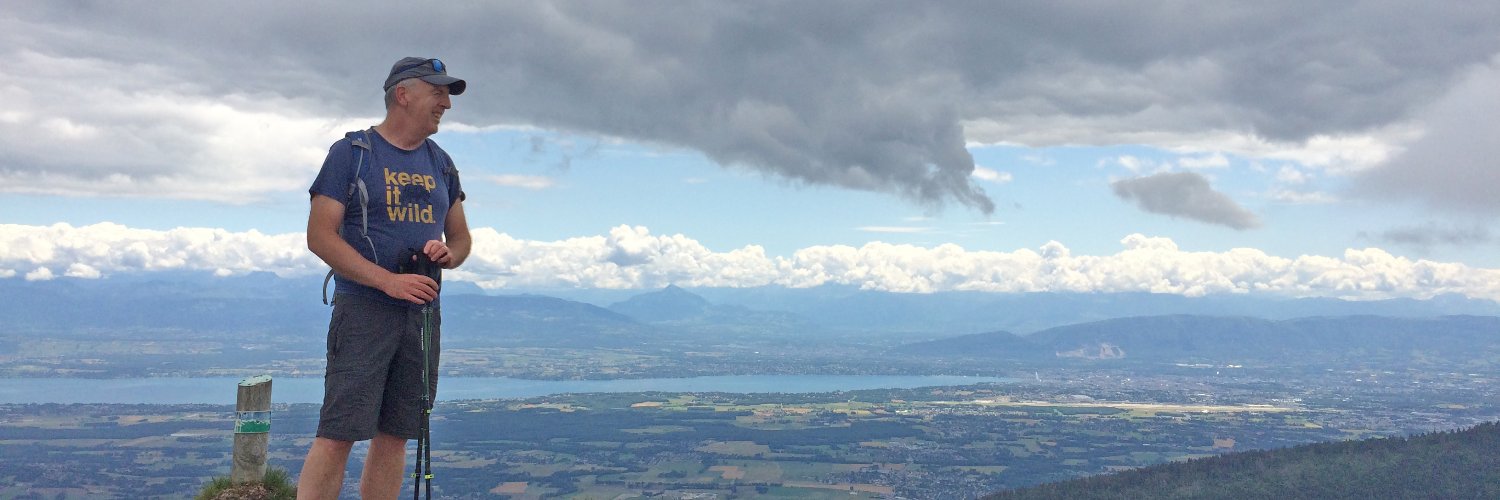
450, 172
361, 142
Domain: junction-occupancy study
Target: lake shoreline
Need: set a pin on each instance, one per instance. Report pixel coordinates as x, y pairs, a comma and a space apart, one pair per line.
220, 390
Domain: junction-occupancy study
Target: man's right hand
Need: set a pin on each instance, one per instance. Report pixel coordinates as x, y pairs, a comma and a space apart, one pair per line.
413, 288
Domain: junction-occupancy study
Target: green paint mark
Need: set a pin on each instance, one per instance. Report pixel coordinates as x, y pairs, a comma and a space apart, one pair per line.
252, 422
252, 427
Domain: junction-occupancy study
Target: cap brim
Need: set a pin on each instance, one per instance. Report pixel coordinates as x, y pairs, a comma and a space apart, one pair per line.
455, 86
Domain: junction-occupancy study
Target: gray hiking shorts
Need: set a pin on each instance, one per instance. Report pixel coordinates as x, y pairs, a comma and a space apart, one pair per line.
374, 378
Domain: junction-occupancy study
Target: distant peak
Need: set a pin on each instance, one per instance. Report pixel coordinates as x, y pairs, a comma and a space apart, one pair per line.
670, 303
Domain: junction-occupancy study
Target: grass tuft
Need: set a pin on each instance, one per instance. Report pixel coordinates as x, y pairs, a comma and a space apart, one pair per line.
276, 485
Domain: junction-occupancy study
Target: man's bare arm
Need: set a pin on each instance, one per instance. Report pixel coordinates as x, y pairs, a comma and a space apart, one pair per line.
456, 231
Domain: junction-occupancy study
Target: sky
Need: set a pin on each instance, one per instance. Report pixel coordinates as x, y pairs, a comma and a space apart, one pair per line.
1175, 147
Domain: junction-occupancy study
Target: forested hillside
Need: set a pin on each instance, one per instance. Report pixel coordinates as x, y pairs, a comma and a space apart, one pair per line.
1457, 464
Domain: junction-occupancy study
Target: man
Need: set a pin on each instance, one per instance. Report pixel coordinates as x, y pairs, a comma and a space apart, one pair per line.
382, 192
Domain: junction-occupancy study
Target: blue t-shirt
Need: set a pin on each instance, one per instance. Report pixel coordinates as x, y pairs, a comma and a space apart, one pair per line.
409, 198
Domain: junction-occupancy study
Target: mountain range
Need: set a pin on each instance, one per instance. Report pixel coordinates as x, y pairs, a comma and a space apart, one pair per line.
1132, 326
1189, 338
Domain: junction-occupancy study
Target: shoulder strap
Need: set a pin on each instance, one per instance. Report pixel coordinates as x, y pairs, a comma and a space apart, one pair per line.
360, 142
445, 164
357, 185
447, 167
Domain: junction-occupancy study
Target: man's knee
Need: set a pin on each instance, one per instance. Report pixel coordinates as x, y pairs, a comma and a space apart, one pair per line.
383, 439
332, 445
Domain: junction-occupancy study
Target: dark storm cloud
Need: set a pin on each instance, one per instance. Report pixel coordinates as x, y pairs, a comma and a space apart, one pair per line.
1184, 194
1455, 166
870, 96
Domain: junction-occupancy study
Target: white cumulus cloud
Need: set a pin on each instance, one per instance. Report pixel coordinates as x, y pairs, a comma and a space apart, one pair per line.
991, 175
101, 249
633, 257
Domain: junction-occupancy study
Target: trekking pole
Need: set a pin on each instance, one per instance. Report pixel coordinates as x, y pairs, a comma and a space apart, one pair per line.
423, 465
424, 444
421, 264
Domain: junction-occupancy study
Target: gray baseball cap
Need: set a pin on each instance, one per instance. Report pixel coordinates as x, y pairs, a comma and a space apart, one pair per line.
429, 70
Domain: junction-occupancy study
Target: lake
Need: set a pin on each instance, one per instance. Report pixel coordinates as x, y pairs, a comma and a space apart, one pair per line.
221, 390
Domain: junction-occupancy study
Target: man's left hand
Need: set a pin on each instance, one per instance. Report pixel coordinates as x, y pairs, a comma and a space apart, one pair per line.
439, 253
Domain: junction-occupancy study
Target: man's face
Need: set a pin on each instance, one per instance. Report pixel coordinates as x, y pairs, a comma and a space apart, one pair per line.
426, 103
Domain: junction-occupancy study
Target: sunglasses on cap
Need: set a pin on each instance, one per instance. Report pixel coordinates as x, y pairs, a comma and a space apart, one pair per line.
437, 65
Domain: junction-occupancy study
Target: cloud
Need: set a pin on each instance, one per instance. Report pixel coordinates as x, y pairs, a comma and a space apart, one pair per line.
633, 257
990, 175
628, 257
1215, 160
1137, 165
83, 271
102, 249
1294, 197
1290, 186
531, 182
111, 98
1289, 175
1184, 194
892, 229
1038, 159
1432, 234
40, 274
1455, 165
92, 127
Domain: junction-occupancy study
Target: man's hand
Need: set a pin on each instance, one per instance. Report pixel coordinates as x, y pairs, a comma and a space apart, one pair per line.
413, 288
439, 253
416, 288
323, 239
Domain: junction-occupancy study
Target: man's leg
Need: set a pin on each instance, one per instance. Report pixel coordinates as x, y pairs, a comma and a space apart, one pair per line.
384, 468
323, 471
361, 344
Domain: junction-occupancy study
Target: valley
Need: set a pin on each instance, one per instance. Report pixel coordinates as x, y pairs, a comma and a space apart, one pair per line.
1089, 388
